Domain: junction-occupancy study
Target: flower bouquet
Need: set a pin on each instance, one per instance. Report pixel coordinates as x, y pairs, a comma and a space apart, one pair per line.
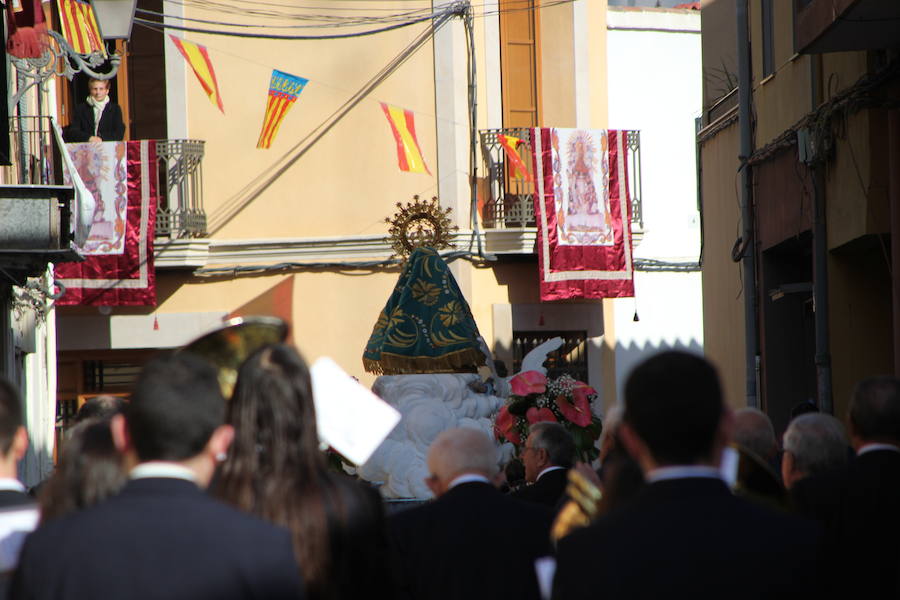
562, 400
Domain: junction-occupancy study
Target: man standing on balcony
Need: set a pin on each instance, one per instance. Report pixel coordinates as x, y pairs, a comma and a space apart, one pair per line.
99, 119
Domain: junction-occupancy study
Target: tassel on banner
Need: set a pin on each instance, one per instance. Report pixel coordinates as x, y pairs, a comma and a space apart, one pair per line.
155, 323
541, 319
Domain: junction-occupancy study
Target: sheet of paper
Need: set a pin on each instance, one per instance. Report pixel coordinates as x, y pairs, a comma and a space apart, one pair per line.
349, 417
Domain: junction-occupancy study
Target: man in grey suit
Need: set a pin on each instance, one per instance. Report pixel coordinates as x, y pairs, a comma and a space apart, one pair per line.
162, 536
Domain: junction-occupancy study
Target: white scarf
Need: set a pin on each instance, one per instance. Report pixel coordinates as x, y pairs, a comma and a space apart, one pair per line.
98, 110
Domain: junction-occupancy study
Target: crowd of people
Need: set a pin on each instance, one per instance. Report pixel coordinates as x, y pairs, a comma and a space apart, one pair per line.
178, 494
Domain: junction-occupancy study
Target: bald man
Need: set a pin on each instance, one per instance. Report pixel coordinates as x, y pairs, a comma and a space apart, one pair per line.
471, 541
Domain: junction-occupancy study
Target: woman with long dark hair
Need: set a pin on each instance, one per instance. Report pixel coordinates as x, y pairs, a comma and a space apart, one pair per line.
90, 470
276, 470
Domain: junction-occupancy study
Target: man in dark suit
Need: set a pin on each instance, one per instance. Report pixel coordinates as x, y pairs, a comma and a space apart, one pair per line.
162, 536
18, 511
472, 541
548, 455
865, 534
685, 534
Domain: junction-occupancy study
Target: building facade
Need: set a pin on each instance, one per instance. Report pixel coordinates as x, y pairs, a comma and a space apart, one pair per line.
798, 222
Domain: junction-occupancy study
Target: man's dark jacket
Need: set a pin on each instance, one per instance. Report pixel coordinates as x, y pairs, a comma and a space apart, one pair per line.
158, 538
81, 127
472, 542
547, 490
690, 538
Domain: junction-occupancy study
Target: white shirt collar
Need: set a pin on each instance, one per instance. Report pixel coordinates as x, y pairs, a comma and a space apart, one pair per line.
547, 470
872, 447
467, 478
158, 468
8, 484
682, 472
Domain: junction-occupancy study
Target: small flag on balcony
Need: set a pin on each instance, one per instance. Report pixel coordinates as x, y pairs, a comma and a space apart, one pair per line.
403, 125
197, 56
108, 277
79, 26
26, 28
510, 145
283, 91
583, 215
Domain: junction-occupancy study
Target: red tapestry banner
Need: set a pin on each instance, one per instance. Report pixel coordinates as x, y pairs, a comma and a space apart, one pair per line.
583, 213
118, 269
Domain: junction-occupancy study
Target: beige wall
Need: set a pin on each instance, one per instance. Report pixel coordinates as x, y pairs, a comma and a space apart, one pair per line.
723, 303
349, 180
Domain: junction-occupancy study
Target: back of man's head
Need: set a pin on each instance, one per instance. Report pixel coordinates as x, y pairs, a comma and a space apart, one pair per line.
673, 402
10, 415
556, 440
817, 443
462, 451
875, 410
176, 406
754, 431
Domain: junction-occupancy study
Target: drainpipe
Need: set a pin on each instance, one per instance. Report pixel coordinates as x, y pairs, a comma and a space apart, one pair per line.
820, 258
748, 260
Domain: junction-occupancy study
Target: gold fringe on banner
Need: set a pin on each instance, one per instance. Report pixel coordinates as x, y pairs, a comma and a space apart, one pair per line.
462, 361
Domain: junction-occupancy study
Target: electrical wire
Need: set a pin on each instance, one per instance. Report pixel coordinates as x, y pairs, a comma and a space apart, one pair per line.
272, 36
396, 20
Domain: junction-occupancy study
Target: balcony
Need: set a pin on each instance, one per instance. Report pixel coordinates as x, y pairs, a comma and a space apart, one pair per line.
508, 211
35, 205
36, 161
845, 25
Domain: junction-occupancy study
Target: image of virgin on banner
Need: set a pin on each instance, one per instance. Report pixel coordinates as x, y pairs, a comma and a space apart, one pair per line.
582, 211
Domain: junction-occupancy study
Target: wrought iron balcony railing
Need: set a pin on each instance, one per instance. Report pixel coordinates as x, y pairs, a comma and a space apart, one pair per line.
31, 152
510, 200
180, 211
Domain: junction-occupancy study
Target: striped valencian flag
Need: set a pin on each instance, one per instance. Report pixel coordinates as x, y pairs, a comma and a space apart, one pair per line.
198, 58
409, 155
283, 91
79, 26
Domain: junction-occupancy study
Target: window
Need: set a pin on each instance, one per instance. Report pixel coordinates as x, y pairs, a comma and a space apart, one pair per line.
768, 39
520, 63
570, 358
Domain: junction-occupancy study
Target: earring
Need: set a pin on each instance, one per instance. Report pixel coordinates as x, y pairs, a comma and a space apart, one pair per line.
221, 456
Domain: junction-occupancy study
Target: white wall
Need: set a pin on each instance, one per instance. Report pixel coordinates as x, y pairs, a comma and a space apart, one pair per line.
655, 86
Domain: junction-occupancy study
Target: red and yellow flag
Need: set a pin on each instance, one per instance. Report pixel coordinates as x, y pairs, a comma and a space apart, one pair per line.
79, 26
198, 58
509, 144
403, 125
283, 91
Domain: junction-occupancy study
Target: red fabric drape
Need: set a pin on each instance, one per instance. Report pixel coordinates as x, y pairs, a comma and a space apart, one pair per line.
582, 264
127, 279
